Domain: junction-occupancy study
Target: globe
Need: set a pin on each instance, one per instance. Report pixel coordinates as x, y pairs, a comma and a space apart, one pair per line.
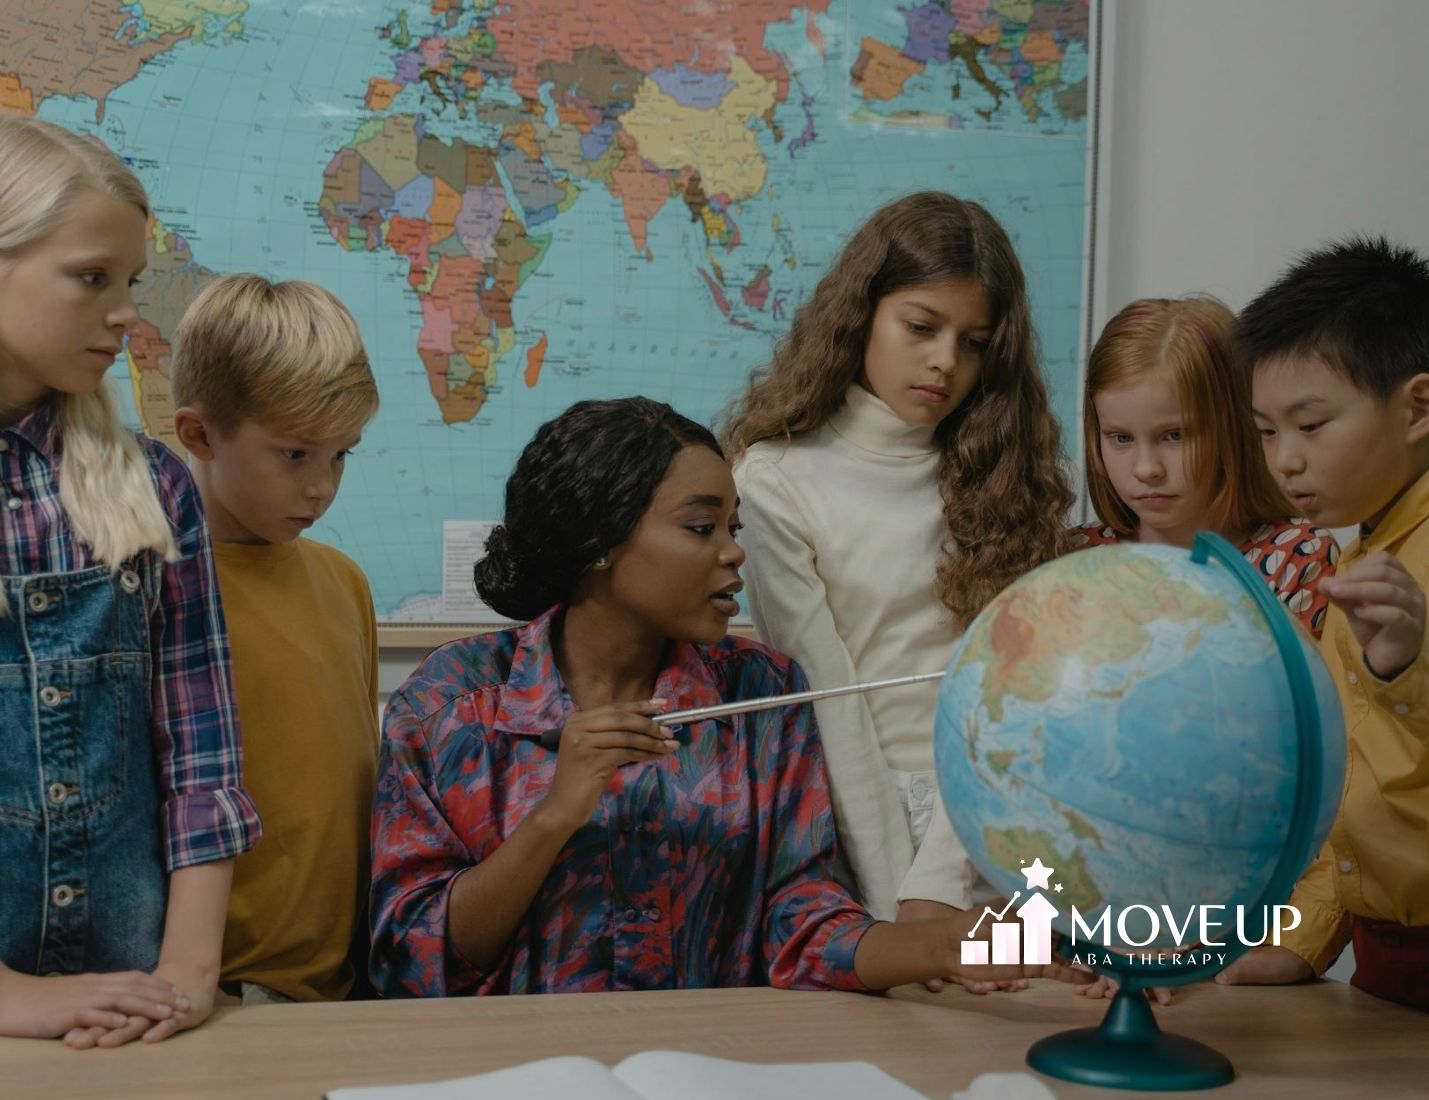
1142, 738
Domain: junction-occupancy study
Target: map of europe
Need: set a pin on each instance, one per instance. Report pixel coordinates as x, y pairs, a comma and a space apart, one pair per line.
531, 202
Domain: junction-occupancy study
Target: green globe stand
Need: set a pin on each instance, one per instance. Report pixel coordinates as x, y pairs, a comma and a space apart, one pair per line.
1128, 1050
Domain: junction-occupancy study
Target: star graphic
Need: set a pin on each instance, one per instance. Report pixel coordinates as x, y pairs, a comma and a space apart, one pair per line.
1057, 886
1038, 874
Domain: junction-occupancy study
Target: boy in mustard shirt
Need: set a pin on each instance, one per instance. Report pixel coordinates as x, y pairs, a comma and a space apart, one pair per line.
1340, 352
273, 389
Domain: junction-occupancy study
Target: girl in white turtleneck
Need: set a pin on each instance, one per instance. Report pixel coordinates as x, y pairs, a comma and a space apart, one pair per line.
898, 465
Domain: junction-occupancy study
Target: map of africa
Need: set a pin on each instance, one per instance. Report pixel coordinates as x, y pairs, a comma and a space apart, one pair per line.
530, 202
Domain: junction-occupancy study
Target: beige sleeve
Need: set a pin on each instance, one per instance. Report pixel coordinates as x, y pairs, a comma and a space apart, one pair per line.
791, 613
941, 870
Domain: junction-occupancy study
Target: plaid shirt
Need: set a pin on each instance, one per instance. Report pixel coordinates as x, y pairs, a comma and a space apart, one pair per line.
711, 867
207, 815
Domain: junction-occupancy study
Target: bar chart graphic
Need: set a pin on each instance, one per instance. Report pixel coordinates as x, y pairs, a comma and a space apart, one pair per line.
1026, 940
1006, 935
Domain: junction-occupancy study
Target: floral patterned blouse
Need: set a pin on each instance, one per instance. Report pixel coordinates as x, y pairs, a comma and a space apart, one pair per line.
711, 867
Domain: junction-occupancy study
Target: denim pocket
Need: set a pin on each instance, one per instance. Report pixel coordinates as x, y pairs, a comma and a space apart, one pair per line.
20, 794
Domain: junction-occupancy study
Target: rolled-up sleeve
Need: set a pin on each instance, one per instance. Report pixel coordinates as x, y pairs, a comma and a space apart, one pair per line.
207, 815
1325, 926
416, 858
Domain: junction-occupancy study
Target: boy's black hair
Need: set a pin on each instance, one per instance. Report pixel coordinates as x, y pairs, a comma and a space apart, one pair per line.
1361, 305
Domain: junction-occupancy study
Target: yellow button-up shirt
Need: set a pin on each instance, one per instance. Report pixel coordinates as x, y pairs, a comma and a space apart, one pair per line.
1376, 863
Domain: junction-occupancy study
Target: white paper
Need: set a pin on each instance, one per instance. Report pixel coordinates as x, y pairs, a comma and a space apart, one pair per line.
557, 1078
665, 1075
1006, 1086
655, 1075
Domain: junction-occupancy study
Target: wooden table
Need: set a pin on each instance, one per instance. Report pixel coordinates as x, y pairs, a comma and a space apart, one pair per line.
1324, 1039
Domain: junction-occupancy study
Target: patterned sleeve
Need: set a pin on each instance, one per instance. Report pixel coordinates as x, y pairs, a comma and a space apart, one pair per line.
207, 814
1090, 534
812, 925
1295, 558
416, 857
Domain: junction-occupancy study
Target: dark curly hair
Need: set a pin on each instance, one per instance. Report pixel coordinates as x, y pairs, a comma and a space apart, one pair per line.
578, 490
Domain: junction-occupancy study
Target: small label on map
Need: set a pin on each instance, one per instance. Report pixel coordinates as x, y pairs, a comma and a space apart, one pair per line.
463, 543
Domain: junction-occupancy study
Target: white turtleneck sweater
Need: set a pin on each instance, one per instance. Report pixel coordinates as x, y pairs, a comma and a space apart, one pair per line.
843, 528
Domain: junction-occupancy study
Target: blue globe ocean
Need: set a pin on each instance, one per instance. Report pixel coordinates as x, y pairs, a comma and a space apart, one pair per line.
1125, 715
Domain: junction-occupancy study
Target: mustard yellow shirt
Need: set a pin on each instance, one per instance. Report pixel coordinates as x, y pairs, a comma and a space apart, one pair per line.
1376, 862
304, 641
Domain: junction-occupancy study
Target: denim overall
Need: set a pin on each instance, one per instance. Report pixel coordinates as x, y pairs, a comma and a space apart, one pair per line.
82, 883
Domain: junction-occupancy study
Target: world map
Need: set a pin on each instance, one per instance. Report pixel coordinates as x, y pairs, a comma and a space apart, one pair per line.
530, 202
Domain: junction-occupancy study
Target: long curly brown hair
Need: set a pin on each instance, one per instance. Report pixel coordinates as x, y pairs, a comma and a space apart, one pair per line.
1005, 494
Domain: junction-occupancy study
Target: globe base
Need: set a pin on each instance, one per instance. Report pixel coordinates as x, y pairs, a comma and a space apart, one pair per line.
1129, 1051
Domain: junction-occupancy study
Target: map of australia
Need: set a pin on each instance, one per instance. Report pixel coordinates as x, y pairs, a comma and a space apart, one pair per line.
528, 202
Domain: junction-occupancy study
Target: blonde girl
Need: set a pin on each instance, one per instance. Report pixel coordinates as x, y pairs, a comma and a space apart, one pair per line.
121, 805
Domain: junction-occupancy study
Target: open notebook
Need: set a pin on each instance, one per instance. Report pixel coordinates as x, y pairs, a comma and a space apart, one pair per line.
656, 1075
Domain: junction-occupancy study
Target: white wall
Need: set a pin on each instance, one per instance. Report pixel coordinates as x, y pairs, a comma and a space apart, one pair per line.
1245, 131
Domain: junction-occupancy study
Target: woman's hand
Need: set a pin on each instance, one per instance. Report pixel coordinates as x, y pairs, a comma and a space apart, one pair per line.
488, 900
998, 975
899, 952
593, 744
919, 909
